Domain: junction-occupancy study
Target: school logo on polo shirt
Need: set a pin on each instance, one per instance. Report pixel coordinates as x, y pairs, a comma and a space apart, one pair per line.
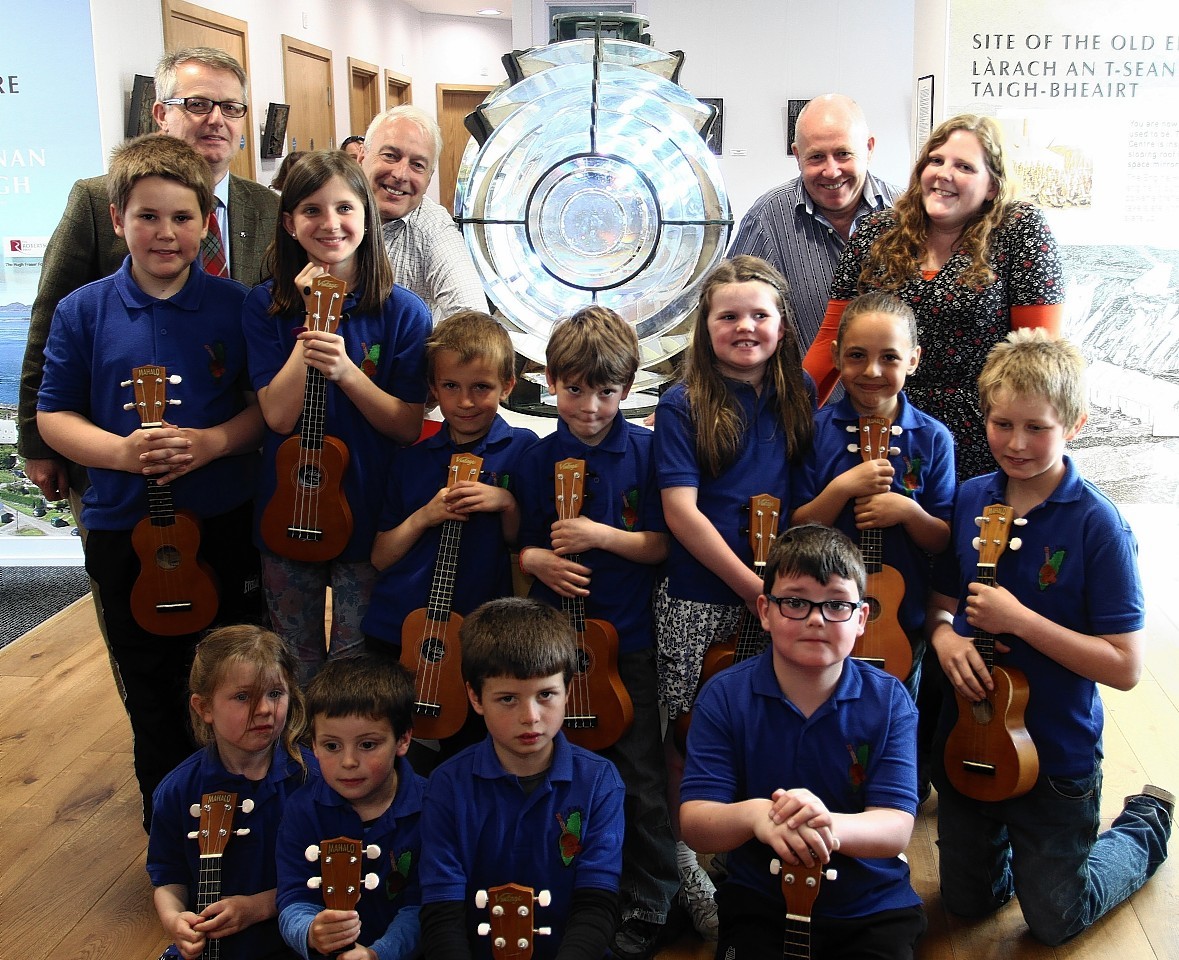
372, 356
856, 774
911, 480
1051, 568
400, 864
570, 838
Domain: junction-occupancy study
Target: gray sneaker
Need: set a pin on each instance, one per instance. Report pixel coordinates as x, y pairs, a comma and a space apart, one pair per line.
697, 895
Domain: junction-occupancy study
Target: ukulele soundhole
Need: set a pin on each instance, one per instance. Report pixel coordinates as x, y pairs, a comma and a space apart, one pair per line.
585, 660
874, 609
167, 557
983, 711
310, 476
433, 649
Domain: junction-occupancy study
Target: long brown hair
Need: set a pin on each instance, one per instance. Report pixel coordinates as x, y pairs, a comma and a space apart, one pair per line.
718, 417
285, 258
896, 257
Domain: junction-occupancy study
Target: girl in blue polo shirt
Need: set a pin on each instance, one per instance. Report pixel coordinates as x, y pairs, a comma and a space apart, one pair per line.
247, 711
374, 365
736, 426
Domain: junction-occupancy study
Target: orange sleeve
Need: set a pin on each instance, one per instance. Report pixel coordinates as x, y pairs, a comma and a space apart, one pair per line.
818, 361
1046, 315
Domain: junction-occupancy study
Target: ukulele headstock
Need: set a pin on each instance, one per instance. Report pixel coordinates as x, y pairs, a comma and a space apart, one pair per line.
510, 914
323, 297
764, 512
569, 487
340, 871
216, 812
463, 466
149, 384
800, 885
995, 533
873, 438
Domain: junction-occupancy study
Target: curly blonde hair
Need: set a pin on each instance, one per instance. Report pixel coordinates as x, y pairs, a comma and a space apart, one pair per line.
897, 254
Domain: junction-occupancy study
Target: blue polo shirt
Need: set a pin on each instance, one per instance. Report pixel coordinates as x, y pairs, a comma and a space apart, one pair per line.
484, 568
858, 750
1078, 567
104, 329
388, 913
761, 467
390, 347
247, 864
481, 829
924, 471
621, 492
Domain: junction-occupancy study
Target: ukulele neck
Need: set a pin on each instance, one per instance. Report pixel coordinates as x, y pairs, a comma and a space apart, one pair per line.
984, 642
441, 600
796, 942
314, 410
872, 548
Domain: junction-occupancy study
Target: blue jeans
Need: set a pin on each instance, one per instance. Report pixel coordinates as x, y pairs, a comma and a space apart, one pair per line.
650, 877
1044, 846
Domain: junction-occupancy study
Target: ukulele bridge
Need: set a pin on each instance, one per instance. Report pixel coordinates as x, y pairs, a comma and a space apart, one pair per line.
304, 533
973, 766
581, 723
181, 606
424, 709
877, 662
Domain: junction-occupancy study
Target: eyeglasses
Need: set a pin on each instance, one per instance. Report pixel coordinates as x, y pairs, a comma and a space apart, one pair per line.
199, 106
833, 611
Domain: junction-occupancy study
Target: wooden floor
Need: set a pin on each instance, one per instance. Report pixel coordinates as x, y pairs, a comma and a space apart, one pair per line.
72, 883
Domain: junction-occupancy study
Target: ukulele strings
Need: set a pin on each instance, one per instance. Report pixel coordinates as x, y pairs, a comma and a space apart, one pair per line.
307, 495
165, 569
441, 593
568, 507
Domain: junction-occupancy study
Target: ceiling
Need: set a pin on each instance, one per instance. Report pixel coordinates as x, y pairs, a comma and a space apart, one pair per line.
463, 8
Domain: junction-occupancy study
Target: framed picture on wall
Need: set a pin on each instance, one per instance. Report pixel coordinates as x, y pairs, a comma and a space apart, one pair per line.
922, 112
274, 134
793, 109
143, 98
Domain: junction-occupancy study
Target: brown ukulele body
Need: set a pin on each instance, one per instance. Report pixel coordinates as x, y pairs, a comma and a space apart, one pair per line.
175, 592
308, 518
884, 642
608, 711
989, 754
430, 650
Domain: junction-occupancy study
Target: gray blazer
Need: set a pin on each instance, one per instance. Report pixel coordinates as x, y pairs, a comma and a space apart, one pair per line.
84, 248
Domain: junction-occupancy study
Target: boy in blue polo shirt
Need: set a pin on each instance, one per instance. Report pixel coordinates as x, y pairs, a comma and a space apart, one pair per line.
525, 806
806, 755
470, 362
1067, 610
875, 350
618, 538
361, 712
158, 310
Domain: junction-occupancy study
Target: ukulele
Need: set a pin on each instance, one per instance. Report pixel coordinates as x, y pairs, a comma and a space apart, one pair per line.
429, 637
800, 887
510, 909
883, 643
308, 517
215, 812
989, 754
175, 592
340, 870
750, 638
599, 709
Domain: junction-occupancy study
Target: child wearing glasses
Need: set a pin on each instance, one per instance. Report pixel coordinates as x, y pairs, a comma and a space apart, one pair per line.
806, 756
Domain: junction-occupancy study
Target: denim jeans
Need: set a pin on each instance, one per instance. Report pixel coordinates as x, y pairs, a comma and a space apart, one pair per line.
1044, 846
650, 877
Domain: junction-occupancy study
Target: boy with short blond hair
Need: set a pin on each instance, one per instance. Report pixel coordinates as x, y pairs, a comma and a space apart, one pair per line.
1067, 611
361, 712
157, 310
524, 806
608, 555
808, 755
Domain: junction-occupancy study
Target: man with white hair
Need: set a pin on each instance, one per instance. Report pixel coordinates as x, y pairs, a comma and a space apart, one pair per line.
429, 256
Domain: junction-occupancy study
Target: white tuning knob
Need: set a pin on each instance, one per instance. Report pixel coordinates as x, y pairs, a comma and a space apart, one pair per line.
242, 832
1015, 543
481, 899
128, 406
976, 543
193, 834
314, 883
195, 810
978, 521
247, 806
484, 929
311, 854
775, 866
125, 383
894, 451
852, 428
543, 931
372, 851
174, 403
831, 874
1021, 521
544, 898
853, 448
895, 430
175, 378
371, 881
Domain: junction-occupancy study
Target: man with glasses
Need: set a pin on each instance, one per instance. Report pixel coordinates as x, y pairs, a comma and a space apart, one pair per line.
805, 755
201, 99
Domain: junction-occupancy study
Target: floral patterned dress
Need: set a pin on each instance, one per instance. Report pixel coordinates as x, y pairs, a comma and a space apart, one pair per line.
958, 325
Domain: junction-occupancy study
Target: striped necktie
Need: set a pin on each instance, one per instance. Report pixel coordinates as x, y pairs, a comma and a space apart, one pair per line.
212, 249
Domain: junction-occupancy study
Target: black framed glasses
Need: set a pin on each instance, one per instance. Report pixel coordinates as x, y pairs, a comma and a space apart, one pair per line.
833, 611
199, 106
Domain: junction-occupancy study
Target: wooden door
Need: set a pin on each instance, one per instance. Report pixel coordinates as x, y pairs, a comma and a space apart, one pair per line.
187, 25
364, 95
455, 101
307, 82
398, 89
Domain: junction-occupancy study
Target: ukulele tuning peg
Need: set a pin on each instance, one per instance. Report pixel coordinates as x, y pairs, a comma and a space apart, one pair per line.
522, 911
314, 883
175, 378
193, 834
242, 832
775, 866
852, 428
895, 430
484, 929
481, 899
831, 874
247, 806
311, 854
1020, 521
853, 448
1014, 543
544, 931
371, 881
125, 383
372, 851
174, 403
894, 451
544, 898
978, 521
128, 406
976, 543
